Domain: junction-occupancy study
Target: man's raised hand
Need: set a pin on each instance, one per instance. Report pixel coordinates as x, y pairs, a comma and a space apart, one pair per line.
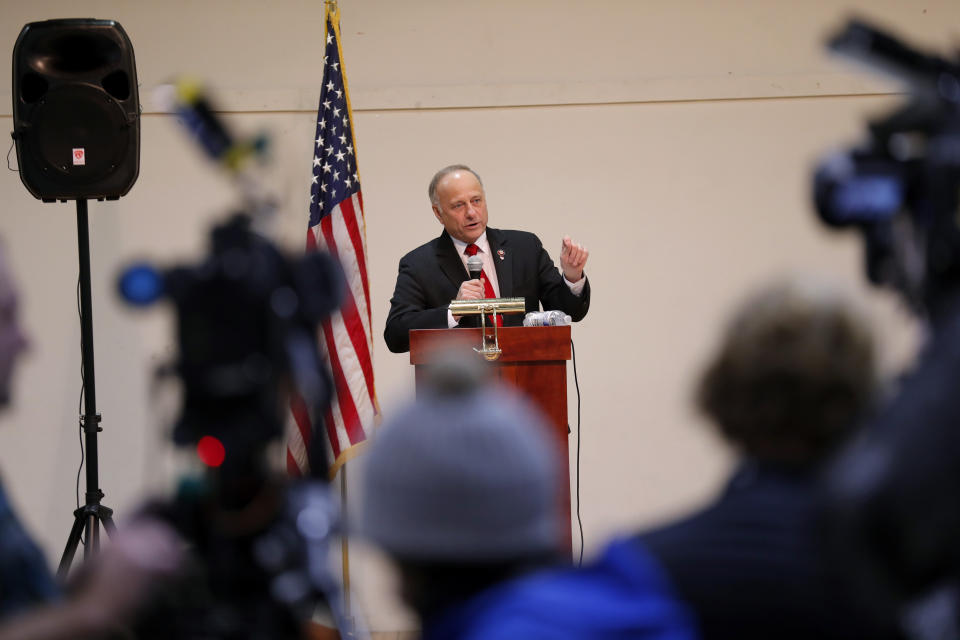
572, 259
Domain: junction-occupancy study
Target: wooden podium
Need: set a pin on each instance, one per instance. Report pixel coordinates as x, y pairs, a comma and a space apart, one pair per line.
534, 360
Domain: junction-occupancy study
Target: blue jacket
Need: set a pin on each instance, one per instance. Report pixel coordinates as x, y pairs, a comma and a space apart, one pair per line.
25, 580
623, 595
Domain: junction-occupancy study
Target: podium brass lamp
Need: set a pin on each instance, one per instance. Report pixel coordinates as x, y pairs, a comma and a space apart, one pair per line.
490, 344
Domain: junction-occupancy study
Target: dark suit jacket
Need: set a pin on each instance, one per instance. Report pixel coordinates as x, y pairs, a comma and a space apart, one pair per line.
754, 565
430, 277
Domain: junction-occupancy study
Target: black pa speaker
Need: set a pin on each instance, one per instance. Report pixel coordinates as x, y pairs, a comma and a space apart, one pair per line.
76, 113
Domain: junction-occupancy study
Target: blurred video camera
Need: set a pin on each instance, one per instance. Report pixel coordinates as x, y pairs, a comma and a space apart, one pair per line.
900, 186
891, 497
247, 317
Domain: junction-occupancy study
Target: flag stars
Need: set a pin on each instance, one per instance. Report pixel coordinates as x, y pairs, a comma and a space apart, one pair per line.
335, 157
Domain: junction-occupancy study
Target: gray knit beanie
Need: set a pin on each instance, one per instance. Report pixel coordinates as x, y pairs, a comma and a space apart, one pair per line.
463, 475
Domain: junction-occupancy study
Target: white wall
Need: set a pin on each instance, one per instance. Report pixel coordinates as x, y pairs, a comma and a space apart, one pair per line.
674, 139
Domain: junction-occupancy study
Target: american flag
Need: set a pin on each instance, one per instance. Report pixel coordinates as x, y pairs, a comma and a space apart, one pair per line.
337, 225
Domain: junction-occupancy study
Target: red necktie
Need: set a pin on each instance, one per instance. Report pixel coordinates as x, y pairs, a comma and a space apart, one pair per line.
472, 250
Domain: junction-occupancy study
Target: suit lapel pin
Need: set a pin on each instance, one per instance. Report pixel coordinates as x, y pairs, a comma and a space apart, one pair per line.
500, 253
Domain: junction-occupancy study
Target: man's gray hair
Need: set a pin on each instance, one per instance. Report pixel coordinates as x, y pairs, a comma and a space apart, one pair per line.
439, 175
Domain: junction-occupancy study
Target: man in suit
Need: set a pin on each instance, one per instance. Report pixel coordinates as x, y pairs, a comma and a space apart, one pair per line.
515, 264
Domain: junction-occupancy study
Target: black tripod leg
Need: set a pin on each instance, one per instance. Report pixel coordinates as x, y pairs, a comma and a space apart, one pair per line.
103, 515
106, 517
79, 522
88, 518
93, 535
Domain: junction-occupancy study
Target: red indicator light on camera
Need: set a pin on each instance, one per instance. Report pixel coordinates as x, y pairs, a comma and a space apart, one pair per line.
211, 451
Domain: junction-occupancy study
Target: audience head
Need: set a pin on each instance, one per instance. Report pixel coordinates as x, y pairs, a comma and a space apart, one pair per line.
461, 487
794, 373
464, 473
13, 339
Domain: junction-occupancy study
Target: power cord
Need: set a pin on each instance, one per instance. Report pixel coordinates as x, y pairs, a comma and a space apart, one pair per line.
576, 383
80, 405
9, 151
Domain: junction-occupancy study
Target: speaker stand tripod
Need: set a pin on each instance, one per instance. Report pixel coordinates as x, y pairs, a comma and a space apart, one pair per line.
92, 514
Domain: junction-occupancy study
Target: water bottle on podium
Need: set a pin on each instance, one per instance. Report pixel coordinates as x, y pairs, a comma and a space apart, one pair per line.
546, 319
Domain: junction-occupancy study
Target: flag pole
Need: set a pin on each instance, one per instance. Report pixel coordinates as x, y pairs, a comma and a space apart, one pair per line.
331, 6
345, 556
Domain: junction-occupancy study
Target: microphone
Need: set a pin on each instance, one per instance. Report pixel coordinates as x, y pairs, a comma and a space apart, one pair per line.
474, 266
